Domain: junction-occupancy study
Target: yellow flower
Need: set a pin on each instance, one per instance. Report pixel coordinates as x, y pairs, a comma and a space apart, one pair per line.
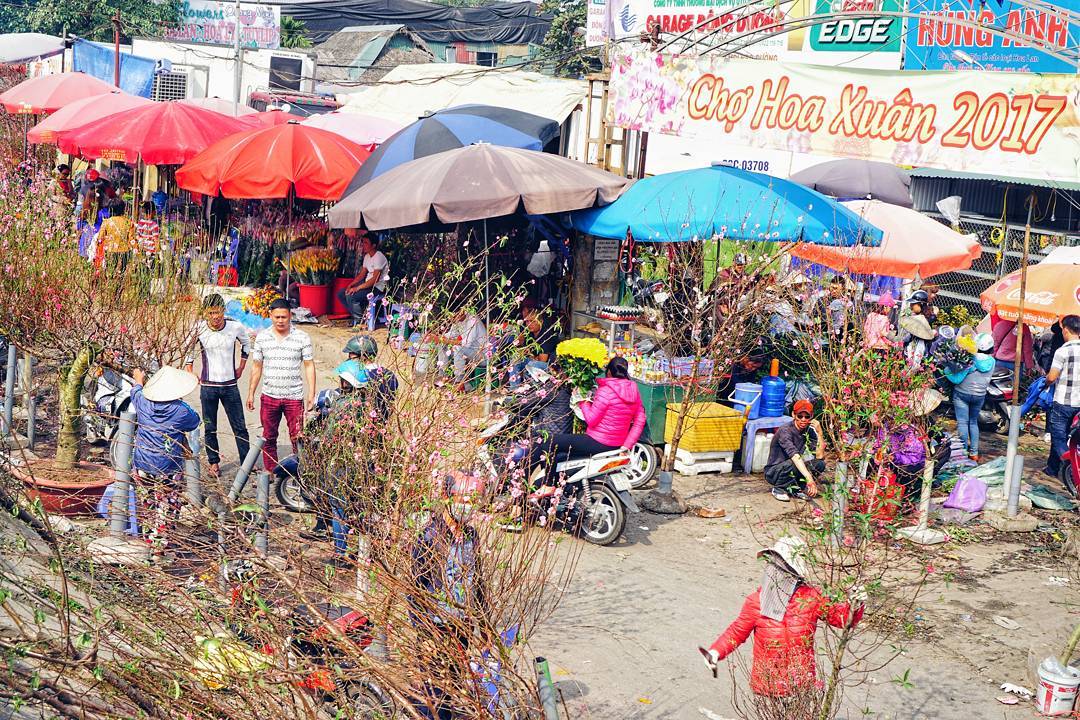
967, 342
589, 349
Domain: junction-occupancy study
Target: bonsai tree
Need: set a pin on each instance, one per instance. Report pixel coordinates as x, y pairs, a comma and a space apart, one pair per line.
65, 311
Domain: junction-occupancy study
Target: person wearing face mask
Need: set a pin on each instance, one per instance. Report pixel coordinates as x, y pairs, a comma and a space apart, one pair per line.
786, 470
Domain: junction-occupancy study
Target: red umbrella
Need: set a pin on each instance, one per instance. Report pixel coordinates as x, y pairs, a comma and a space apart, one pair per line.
270, 118
83, 111
268, 163
162, 133
49, 93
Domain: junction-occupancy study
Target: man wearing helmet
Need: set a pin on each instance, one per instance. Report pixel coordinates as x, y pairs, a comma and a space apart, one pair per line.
915, 330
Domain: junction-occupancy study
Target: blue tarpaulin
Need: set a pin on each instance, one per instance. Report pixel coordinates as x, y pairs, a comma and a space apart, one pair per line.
136, 73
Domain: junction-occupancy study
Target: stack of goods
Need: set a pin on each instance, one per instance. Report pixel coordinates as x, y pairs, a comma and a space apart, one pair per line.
711, 434
620, 313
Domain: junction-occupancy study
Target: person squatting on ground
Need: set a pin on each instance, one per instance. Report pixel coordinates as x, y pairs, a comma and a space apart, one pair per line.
614, 419
786, 470
448, 571
282, 360
783, 615
969, 392
163, 420
217, 339
1065, 371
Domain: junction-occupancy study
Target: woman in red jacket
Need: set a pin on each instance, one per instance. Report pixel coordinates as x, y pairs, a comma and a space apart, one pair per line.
783, 615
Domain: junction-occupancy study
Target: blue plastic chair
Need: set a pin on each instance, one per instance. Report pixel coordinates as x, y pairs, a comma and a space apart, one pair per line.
230, 256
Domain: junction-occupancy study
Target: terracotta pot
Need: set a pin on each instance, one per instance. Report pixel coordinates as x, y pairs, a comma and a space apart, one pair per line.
78, 493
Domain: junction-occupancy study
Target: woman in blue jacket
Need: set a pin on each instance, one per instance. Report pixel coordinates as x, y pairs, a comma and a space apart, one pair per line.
969, 392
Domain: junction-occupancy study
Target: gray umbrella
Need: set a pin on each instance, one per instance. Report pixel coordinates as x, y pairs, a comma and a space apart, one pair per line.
858, 180
475, 182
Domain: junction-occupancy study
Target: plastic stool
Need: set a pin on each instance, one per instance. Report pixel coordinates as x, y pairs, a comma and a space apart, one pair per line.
751, 429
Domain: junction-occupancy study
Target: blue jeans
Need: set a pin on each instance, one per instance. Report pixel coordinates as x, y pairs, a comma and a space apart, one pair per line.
517, 370
360, 307
967, 409
1059, 420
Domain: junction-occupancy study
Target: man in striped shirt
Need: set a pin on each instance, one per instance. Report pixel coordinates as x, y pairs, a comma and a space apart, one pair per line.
282, 360
217, 339
1065, 371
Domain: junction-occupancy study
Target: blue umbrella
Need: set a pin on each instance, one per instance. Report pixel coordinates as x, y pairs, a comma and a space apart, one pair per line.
453, 128
725, 202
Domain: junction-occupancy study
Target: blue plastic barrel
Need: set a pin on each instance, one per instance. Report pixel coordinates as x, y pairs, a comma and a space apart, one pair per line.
773, 394
747, 394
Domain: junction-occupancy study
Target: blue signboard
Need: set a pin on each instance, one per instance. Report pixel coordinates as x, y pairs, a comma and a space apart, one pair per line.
934, 43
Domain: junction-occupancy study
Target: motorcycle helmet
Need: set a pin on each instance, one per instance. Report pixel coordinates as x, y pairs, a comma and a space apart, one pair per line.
984, 342
739, 259
352, 372
919, 296
361, 345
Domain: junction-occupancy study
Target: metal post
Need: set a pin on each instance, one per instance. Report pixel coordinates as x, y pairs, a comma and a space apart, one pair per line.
262, 499
27, 378
245, 467
125, 440
193, 471
1013, 506
9, 388
546, 690
839, 503
363, 565
237, 75
31, 431
116, 47
1014, 408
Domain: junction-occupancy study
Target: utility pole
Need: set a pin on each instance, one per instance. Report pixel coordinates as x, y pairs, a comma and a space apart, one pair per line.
116, 47
237, 75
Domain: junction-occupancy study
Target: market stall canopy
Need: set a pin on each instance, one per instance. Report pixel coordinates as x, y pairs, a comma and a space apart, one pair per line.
514, 23
270, 118
913, 245
161, 133
858, 180
454, 128
475, 182
49, 93
726, 202
408, 91
1051, 294
361, 129
272, 162
20, 47
220, 105
81, 112
1063, 255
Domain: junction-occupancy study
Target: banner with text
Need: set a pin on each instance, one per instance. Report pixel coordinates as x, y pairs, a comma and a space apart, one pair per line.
946, 36
214, 23
1016, 124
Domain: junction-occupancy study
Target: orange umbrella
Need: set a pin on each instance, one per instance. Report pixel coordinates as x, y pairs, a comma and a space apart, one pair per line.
49, 93
913, 245
1053, 291
274, 161
81, 112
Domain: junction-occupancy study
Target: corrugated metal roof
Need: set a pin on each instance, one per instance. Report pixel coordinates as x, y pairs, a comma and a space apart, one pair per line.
1034, 182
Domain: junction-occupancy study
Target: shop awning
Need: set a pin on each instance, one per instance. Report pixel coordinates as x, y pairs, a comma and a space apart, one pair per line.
1033, 182
407, 92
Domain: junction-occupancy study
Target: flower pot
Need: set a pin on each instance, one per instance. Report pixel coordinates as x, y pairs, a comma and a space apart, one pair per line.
336, 307
315, 298
65, 492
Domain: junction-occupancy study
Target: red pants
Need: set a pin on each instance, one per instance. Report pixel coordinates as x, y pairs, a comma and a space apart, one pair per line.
270, 411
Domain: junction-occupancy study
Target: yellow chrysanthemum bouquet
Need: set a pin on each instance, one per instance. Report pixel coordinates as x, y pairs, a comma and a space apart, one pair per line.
583, 360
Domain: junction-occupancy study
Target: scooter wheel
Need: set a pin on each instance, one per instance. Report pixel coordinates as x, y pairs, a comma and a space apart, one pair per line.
643, 465
604, 518
1065, 475
368, 702
290, 494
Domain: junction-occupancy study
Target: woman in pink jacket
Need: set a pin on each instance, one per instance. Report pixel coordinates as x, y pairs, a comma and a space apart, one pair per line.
614, 418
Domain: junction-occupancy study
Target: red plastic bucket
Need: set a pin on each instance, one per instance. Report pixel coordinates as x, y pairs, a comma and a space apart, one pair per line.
336, 308
315, 298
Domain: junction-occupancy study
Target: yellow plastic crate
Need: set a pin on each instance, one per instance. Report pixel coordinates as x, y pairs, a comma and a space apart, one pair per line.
708, 427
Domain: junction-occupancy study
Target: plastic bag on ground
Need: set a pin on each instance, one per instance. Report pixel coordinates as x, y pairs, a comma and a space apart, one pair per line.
1047, 499
969, 494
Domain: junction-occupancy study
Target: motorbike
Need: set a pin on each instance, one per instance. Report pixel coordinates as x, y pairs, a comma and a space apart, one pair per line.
1070, 460
105, 399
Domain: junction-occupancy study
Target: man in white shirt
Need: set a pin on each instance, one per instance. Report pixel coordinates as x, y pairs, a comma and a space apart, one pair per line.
217, 339
282, 360
363, 297
469, 339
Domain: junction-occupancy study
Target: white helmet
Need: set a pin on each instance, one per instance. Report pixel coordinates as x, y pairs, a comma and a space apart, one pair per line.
984, 342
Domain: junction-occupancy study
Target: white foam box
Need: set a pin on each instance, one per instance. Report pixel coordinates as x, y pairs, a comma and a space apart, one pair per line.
699, 468
691, 458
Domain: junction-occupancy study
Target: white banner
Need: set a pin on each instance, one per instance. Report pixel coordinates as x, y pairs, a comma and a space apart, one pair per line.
214, 23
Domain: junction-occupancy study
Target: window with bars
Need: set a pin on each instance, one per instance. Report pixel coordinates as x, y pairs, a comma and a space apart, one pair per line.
170, 86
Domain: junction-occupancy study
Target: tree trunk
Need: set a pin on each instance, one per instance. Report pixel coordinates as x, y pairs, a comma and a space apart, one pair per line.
70, 386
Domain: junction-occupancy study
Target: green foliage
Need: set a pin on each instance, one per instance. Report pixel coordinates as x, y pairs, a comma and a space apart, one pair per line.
88, 19
294, 33
561, 45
